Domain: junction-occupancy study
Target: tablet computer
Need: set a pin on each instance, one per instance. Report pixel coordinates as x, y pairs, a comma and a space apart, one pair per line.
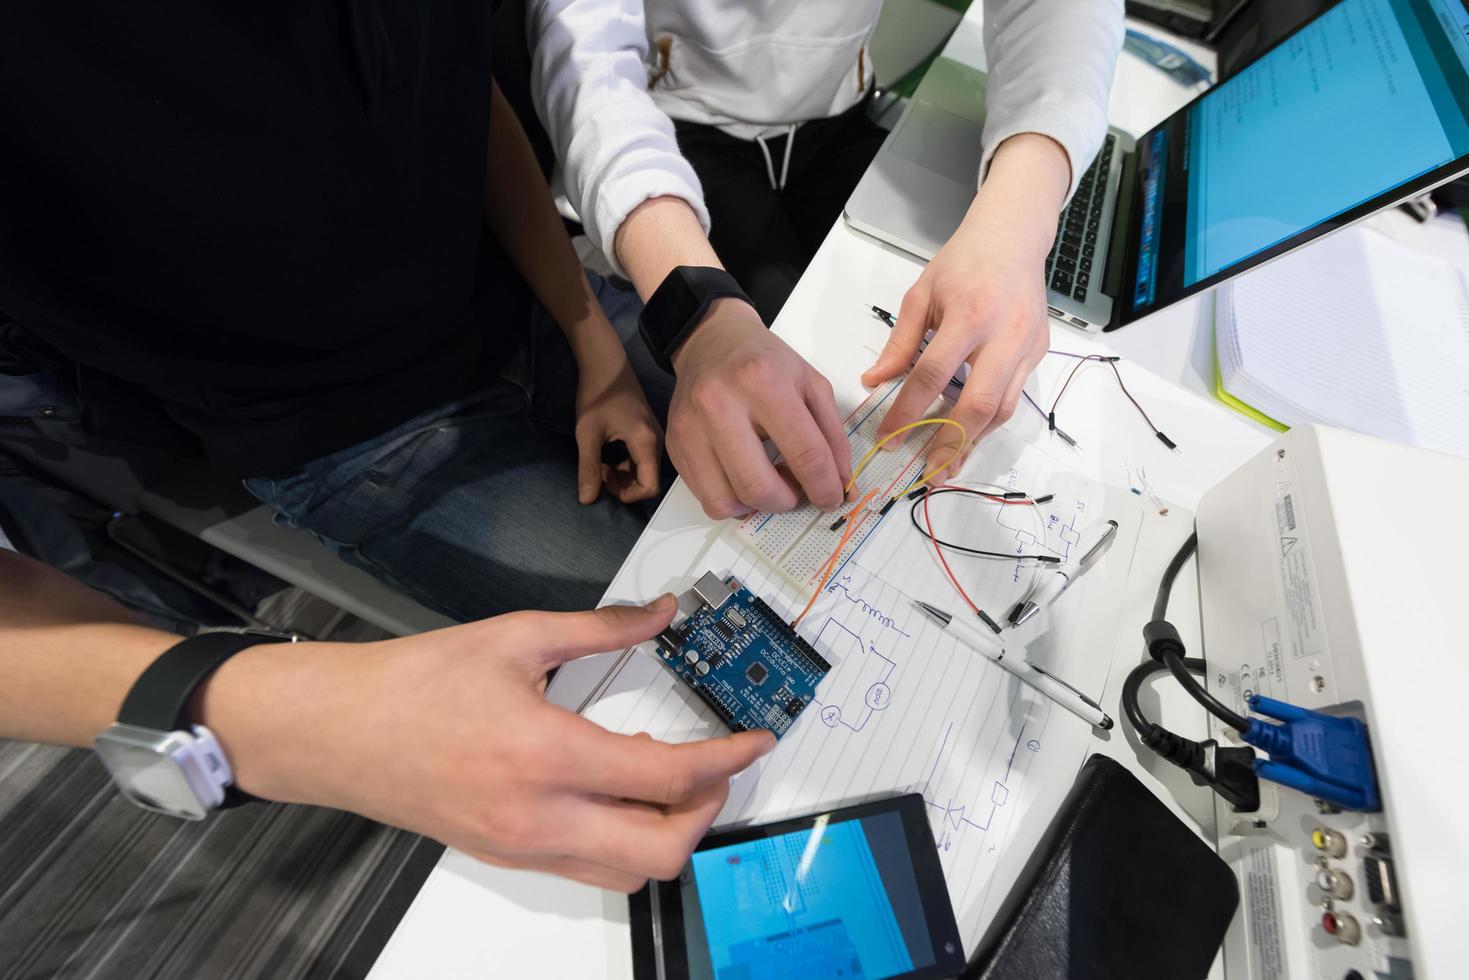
850, 893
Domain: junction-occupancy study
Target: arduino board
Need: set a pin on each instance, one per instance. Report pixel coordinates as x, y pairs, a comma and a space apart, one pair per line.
739, 657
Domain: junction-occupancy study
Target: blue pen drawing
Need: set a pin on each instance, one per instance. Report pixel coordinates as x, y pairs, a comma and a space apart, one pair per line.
1061, 532
858, 688
842, 586
956, 819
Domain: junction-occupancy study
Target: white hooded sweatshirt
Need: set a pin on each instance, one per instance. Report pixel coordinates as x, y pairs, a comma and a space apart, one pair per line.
608, 75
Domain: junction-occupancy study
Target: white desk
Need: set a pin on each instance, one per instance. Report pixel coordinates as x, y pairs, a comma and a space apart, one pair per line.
471, 920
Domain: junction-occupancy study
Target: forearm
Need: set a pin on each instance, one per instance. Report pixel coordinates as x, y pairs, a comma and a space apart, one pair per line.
523, 218
659, 235
616, 148
67, 654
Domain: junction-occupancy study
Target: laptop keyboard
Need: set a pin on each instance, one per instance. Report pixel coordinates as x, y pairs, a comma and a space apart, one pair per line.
1069, 266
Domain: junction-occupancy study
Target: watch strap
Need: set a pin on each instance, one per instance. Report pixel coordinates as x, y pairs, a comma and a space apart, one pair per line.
159, 698
678, 305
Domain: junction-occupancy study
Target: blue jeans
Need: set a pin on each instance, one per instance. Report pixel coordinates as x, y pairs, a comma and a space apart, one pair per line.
471, 507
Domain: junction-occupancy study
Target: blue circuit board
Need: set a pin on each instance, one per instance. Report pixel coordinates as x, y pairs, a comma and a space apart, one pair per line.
742, 659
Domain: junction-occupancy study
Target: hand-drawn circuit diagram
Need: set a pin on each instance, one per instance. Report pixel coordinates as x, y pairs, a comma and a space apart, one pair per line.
955, 817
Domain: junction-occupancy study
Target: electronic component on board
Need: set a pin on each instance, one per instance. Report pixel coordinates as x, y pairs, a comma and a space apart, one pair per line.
740, 658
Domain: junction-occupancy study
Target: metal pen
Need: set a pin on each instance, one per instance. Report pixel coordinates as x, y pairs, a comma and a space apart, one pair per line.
1042, 681
1061, 579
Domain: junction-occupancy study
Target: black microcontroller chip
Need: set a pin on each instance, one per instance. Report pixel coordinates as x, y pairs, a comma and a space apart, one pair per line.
757, 673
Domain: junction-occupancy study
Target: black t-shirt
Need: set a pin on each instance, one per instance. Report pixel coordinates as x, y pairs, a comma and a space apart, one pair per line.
267, 215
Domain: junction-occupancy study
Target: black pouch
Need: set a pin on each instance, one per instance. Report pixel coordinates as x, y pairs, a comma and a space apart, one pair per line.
1118, 887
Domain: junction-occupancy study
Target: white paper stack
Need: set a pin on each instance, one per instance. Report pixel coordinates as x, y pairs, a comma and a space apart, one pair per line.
1354, 331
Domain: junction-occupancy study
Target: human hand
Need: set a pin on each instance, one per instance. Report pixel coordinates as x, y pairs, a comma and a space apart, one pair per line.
739, 384
447, 734
984, 296
610, 406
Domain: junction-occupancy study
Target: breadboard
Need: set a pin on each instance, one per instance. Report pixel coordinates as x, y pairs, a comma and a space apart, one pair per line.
798, 542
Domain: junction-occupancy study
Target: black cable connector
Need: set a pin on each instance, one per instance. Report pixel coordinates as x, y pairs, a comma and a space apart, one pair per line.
887, 506
1012, 495
915, 494
1161, 638
1051, 420
1234, 775
1166, 441
836, 524
1045, 498
984, 617
1227, 770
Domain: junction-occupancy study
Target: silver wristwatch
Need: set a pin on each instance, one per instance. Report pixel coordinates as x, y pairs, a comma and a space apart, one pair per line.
156, 755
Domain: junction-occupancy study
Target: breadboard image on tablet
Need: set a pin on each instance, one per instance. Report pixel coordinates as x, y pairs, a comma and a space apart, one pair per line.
799, 542
740, 657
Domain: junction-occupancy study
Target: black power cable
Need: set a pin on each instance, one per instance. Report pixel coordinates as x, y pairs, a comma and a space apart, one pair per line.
1227, 770
1166, 647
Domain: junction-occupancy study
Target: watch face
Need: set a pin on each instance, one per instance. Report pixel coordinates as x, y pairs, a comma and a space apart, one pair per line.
142, 765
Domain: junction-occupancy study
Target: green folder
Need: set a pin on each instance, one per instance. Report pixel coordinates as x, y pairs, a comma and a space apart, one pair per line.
1240, 406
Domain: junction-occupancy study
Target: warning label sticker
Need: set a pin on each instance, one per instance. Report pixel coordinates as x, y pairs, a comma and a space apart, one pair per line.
1301, 628
1262, 913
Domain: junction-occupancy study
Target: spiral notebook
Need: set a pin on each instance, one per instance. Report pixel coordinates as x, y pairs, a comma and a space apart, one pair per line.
1355, 331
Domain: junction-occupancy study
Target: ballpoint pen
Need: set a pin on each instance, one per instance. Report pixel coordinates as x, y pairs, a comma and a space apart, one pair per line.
1043, 681
1061, 579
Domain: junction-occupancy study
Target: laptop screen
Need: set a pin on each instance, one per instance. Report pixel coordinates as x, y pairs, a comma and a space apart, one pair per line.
1362, 104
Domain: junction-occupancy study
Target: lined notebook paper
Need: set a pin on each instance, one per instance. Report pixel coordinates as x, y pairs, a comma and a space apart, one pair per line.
1354, 331
906, 708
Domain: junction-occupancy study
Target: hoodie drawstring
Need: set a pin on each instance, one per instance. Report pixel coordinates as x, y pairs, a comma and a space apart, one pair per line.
785, 164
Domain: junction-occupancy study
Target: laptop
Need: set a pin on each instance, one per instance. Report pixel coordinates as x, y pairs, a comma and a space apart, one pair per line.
1363, 107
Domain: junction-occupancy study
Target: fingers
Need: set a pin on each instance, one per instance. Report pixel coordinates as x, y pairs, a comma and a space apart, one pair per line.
551, 639
948, 450
642, 840
807, 451
925, 382
822, 403
992, 369
649, 771
749, 470
697, 463
613, 844
588, 463
904, 338
586, 872
1012, 395
948, 438
645, 450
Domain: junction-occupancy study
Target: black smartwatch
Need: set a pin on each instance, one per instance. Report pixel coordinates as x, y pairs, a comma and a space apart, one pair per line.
678, 304
156, 756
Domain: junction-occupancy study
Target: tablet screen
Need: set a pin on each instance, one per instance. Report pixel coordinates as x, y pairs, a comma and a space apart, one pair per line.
1362, 104
838, 898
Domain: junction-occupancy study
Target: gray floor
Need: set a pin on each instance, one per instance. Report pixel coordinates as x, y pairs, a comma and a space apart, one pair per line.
92, 886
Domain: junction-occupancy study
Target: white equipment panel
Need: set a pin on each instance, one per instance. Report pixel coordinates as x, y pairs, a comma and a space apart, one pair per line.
1332, 576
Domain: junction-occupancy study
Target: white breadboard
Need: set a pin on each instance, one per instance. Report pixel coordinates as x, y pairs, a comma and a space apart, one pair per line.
798, 542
